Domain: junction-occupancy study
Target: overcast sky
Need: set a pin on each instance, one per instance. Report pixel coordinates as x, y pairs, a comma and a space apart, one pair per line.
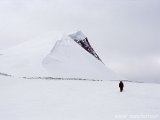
125, 33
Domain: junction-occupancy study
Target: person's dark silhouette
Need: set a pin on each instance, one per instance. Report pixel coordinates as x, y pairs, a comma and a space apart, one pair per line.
121, 85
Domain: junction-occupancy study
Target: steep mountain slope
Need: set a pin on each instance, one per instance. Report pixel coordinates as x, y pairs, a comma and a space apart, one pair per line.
67, 59
82, 40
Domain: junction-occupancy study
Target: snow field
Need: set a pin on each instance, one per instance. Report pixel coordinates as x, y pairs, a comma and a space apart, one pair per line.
22, 99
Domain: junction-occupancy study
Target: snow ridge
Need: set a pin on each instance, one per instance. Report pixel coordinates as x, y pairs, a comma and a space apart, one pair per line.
82, 40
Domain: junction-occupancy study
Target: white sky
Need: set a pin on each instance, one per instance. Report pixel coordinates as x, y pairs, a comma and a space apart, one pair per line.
125, 33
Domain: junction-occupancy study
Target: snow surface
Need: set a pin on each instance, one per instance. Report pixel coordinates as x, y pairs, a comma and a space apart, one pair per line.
40, 58
22, 99
26, 59
77, 35
69, 59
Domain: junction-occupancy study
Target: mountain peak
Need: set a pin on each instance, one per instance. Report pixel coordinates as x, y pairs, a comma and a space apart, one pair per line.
78, 35
82, 40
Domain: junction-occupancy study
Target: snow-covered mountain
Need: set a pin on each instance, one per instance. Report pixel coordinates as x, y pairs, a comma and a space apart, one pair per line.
67, 59
57, 99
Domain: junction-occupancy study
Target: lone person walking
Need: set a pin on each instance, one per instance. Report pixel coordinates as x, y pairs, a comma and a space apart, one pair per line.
121, 85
